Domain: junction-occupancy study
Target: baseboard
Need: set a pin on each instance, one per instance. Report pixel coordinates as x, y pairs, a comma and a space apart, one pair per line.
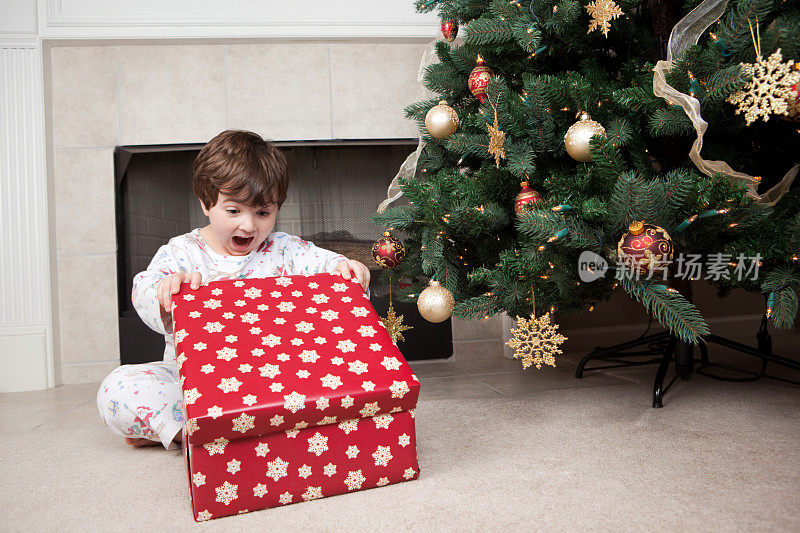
90, 372
23, 358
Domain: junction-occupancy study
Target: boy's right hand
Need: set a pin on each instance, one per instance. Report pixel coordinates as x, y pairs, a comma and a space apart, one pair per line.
172, 284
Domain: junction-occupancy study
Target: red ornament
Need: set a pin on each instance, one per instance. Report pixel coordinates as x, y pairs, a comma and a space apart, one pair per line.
479, 79
388, 251
526, 198
644, 245
449, 29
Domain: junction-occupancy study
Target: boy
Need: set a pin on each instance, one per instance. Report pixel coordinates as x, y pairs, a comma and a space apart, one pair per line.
241, 182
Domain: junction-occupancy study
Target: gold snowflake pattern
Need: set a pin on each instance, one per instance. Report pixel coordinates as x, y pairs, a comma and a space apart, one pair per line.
394, 325
770, 89
497, 139
536, 341
602, 13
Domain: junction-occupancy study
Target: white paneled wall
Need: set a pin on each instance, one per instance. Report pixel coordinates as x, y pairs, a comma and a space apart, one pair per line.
24, 252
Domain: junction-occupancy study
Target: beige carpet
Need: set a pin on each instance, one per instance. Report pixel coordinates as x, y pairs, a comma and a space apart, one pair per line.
718, 457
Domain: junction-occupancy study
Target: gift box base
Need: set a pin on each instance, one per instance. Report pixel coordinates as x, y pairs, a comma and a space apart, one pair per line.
232, 477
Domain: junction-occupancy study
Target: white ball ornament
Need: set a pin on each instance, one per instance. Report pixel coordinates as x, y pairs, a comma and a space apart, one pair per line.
441, 120
576, 141
435, 303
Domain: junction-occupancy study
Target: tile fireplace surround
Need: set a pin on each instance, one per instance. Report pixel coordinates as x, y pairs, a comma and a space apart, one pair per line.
143, 94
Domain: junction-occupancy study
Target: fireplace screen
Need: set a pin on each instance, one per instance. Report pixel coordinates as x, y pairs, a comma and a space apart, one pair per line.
334, 189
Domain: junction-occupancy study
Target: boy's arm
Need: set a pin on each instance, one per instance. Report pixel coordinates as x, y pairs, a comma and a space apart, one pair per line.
146, 303
311, 259
306, 258
303, 257
145, 285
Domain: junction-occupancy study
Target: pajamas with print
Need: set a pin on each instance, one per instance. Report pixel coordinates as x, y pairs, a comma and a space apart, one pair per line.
145, 401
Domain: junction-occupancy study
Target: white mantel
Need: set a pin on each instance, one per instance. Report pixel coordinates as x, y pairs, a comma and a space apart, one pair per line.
149, 19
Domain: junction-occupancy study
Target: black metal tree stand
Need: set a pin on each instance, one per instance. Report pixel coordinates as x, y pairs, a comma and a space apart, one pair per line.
668, 348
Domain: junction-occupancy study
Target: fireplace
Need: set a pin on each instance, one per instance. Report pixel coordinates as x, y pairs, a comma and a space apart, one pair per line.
334, 188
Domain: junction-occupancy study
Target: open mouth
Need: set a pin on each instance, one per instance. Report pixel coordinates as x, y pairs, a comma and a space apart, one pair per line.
242, 242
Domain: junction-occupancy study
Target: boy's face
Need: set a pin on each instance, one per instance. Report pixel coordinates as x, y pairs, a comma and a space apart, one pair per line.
236, 228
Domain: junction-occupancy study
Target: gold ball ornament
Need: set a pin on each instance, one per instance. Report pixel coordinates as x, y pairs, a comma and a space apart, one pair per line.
435, 303
441, 120
578, 136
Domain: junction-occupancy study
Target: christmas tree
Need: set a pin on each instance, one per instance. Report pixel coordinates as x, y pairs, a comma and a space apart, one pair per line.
576, 127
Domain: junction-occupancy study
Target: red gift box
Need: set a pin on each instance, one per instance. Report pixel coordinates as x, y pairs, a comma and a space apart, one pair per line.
230, 477
283, 363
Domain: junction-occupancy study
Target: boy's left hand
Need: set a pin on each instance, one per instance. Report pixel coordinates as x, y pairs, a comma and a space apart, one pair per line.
349, 268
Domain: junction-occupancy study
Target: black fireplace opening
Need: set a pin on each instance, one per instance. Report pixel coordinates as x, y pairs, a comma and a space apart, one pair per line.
334, 189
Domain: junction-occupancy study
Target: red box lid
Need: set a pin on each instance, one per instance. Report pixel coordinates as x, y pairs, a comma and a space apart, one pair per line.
259, 356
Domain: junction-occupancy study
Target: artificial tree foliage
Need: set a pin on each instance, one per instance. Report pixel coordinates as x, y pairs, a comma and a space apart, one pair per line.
460, 226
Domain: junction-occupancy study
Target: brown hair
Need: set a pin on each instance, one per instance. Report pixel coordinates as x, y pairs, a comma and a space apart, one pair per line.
242, 165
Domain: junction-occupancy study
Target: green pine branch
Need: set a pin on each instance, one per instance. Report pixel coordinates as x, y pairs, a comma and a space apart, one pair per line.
562, 17
784, 308
432, 251
724, 83
527, 35
520, 159
626, 200
488, 31
540, 224
469, 144
639, 99
448, 275
781, 277
476, 307
582, 236
669, 122
734, 28
504, 9
619, 133
679, 186
606, 157
400, 218
657, 210
444, 79
670, 308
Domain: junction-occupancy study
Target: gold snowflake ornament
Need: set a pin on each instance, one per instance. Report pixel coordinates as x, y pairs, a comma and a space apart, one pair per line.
602, 13
536, 341
394, 325
770, 89
497, 139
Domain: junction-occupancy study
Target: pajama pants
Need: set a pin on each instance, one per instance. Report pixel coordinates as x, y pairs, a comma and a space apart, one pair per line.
143, 401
